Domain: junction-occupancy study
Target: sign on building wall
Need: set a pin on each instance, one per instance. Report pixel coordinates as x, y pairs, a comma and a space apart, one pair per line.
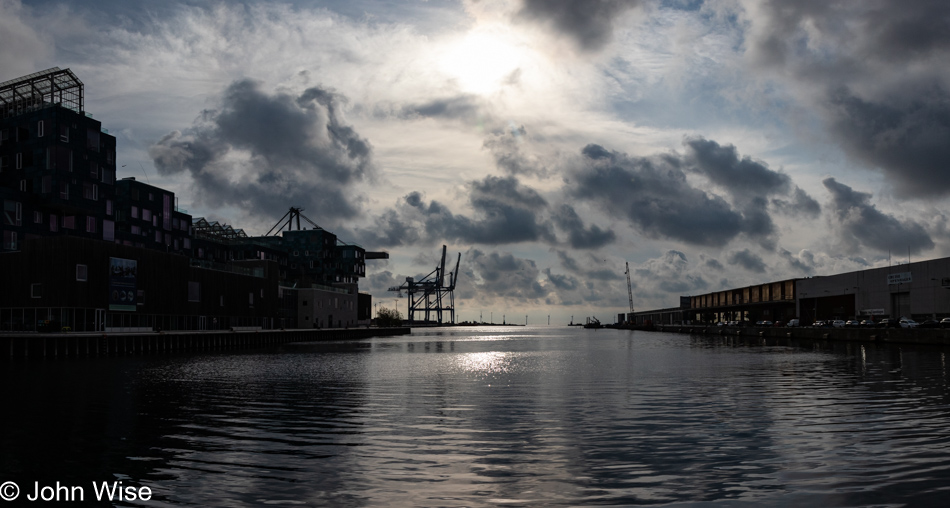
122, 290
873, 312
899, 278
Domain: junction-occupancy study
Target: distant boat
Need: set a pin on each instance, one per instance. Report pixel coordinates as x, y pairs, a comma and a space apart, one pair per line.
593, 323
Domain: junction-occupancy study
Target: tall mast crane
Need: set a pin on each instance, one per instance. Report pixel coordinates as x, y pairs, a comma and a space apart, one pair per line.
629, 288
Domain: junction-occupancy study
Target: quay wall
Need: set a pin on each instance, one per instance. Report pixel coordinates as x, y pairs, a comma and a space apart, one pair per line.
939, 336
65, 345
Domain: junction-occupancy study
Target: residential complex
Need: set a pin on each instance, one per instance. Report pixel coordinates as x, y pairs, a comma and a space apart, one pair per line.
86, 251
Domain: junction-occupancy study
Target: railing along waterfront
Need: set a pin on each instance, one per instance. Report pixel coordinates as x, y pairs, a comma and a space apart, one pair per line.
53, 345
897, 335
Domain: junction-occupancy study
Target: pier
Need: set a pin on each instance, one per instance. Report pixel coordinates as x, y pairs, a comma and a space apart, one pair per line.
123, 343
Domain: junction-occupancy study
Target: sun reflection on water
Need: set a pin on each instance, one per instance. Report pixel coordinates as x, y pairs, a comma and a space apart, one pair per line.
492, 362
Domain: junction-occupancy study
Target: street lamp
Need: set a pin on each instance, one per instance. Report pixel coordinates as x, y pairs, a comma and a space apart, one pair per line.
933, 293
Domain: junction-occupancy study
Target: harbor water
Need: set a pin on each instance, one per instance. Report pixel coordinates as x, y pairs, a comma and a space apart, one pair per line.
492, 416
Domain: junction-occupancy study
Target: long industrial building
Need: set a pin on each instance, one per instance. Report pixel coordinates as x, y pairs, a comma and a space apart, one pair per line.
83, 250
919, 290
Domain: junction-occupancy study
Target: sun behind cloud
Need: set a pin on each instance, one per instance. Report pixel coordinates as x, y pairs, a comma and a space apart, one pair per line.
484, 60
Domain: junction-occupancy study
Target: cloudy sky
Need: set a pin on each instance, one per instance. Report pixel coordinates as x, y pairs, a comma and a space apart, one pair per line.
709, 144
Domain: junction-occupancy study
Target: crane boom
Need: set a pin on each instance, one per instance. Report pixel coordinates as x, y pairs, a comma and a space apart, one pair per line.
629, 288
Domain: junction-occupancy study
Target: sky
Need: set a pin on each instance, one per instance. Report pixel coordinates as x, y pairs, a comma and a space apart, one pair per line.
710, 145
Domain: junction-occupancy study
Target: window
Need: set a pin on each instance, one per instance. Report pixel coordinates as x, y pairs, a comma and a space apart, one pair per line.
19, 161
4, 163
158, 236
146, 214
47, 184
151, 197
109, 207
155, 221
93, 169
81, 273
90, 224
12, 213
9, 240
136, 230
36, 290
4, 136
92, 139
108, 177
186, 242
250, 299
90, 191
37, 217
22, 185
40, 131
194, 291
135, 212
53, 223
69, 222
140, 297
64, 133
108, 230
64, 190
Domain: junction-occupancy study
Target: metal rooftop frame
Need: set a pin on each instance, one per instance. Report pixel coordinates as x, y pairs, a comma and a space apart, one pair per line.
41, 89
215, 230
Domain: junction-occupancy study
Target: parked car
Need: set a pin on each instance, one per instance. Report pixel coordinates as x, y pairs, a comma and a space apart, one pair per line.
852, 323
889, 323
792, 323
818, 324
868, 323
930, 323
945, 322
779, 324
907, 323
838, 323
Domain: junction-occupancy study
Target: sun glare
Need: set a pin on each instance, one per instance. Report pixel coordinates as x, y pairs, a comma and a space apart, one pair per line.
482, 61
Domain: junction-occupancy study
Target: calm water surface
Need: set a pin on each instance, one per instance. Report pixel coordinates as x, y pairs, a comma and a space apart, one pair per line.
526, 416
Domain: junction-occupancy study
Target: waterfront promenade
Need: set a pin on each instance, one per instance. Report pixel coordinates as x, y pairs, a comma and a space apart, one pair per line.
51, 345
939, 336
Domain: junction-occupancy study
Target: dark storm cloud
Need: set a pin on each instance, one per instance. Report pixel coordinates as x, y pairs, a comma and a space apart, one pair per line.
859, 222
747, 259
669, 274
579, 236
505, 212
505, 275
801, 204
714, 264
299, 152
654, 194
561, 282
506, 148
464, 108
885, 30
592, 268
906, 136
739, 176
749, 182
588, 23
875, 73
804, 263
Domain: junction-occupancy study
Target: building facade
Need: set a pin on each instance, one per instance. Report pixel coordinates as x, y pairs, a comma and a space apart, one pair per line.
87, 252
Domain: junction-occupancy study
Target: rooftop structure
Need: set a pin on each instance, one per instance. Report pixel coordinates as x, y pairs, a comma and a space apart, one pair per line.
41, 89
